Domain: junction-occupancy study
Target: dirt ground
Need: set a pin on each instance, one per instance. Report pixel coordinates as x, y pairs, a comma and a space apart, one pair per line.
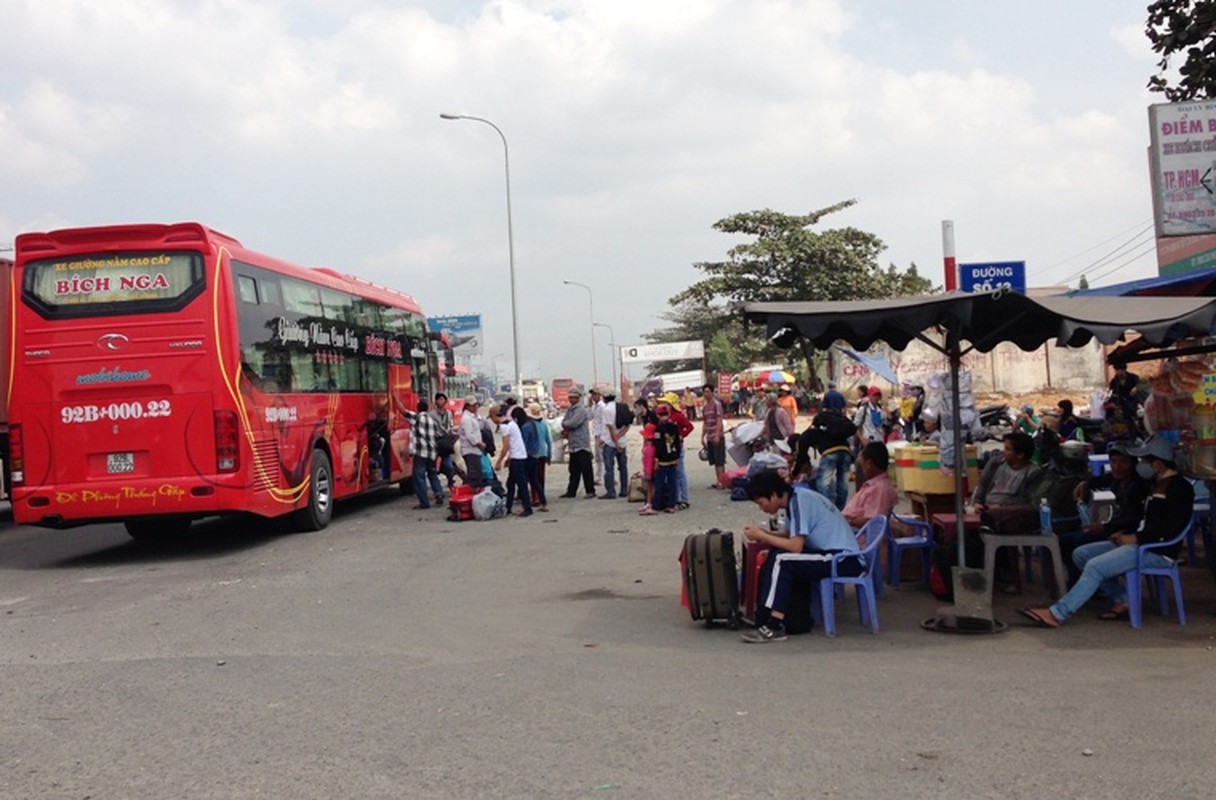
1041, 400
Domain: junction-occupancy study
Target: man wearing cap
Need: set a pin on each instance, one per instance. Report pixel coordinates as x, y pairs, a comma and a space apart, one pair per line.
929, 433
1166, 513
613, 444
472, 443
833, 400
1130, 492
576, 427
595, 408
868, 417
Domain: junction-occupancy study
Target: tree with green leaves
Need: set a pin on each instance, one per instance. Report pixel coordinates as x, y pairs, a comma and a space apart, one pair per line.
785, 259
1184, 26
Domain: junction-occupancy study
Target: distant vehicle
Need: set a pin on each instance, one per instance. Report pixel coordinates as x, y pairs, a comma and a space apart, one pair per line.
561, 391
533, 391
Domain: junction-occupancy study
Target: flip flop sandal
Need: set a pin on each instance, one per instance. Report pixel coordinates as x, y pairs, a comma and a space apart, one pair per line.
1034, 616
1116, 616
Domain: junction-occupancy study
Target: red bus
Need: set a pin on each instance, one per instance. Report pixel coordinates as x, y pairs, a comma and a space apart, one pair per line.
559, 390
164, 373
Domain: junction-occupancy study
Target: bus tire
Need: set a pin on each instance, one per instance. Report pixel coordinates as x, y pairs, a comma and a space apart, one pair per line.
406, 486
156, 529
320, 509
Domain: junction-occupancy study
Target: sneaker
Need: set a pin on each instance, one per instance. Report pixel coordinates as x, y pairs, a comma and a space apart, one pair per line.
589, 496
764, 634
607, 497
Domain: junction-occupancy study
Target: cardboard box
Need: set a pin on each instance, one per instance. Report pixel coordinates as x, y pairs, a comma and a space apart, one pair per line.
918, 469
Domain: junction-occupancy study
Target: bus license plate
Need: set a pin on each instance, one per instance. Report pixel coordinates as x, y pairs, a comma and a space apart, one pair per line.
120, 462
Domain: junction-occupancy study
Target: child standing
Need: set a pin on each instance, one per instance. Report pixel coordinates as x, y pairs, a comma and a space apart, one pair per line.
667, 447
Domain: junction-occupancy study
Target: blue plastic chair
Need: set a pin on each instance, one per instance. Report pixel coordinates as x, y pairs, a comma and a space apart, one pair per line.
867, 605
921, 539
1158, 574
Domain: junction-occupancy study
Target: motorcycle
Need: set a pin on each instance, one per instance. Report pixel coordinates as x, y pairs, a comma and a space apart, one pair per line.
995, 420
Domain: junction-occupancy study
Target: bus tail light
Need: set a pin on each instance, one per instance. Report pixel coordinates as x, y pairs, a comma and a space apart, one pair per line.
227, 442
16, 455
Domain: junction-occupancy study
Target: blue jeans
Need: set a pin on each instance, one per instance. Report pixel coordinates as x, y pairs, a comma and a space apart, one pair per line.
424, 468
682, 479
621, 459
517, 484
832, 477
1101, 564
665, 487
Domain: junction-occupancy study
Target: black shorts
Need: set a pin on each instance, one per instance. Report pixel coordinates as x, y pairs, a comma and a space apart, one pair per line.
717, 452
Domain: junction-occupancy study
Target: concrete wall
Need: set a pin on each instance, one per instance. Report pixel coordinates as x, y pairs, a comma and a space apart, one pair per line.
1006, 369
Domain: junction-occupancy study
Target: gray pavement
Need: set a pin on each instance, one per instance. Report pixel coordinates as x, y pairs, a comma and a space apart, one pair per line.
396, 654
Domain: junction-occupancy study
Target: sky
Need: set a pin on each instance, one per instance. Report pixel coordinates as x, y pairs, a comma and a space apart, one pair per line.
310, 131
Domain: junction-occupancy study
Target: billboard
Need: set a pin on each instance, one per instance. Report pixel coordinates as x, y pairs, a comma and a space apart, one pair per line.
1183, 156
463, 332
665, 351
993, 276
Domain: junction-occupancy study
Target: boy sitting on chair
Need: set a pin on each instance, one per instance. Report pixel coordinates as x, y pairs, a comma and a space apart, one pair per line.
817, 531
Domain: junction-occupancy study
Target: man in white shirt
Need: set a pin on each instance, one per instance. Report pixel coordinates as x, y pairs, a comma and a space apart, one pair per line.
596, 407
613, 445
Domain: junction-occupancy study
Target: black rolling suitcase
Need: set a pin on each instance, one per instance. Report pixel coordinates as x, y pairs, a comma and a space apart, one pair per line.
711, 578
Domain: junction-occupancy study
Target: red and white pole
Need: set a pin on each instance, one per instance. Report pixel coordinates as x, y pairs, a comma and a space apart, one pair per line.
951, 265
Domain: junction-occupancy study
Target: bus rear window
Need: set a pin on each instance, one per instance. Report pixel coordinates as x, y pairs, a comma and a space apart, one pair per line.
113, 283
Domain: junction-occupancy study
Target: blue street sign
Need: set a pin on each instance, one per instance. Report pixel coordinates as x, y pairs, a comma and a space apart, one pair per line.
993, 276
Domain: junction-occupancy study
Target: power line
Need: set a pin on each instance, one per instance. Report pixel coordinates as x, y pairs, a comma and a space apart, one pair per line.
1137, 240
1141, 225
1145, 250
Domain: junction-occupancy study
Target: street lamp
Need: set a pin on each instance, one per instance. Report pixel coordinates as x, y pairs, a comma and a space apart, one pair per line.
595, 370
616, 386
506, 159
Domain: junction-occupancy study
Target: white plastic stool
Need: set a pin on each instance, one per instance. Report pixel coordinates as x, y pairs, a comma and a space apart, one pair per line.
992, 542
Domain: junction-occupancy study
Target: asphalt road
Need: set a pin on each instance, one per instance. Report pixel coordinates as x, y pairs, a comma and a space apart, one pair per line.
397, 655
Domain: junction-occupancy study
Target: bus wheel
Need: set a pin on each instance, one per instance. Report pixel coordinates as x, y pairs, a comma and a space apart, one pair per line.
152, 529
406, 486
320, 508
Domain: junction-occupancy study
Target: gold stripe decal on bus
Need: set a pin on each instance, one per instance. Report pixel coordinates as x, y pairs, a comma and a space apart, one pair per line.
289, 496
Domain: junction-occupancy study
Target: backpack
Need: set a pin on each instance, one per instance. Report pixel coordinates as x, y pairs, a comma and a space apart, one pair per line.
624, 416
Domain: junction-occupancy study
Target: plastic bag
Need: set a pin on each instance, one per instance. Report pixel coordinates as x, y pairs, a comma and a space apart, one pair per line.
487, 505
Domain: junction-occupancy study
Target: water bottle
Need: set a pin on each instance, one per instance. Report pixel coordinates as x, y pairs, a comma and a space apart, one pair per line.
1083, 513
1044, 517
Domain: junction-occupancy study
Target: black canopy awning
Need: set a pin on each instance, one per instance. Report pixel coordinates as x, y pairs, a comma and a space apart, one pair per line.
986, 320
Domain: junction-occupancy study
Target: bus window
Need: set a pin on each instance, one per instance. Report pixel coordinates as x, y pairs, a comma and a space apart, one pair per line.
338, 306
247, 289
301, 298
114, 283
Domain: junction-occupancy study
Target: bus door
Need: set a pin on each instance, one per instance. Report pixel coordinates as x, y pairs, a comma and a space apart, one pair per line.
401, 387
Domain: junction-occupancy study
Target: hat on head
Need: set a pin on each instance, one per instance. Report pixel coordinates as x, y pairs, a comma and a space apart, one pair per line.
534, 411
875, 391
929, 414
670, 397
785, 387
1155, 447
575, 392
1119, 449
831, 384
1074, 451
1028, 408
470, 400
609, 395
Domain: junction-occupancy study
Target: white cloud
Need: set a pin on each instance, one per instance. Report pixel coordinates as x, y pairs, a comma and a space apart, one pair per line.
311, 130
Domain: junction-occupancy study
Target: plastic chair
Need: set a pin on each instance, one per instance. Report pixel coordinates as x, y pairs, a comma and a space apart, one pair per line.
1028, 553
875, 530
994, 541
921, 539
1134, 596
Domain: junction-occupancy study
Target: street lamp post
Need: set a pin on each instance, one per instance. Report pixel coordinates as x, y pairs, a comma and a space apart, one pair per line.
595, 370
506, 159
616, 386
494, 372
